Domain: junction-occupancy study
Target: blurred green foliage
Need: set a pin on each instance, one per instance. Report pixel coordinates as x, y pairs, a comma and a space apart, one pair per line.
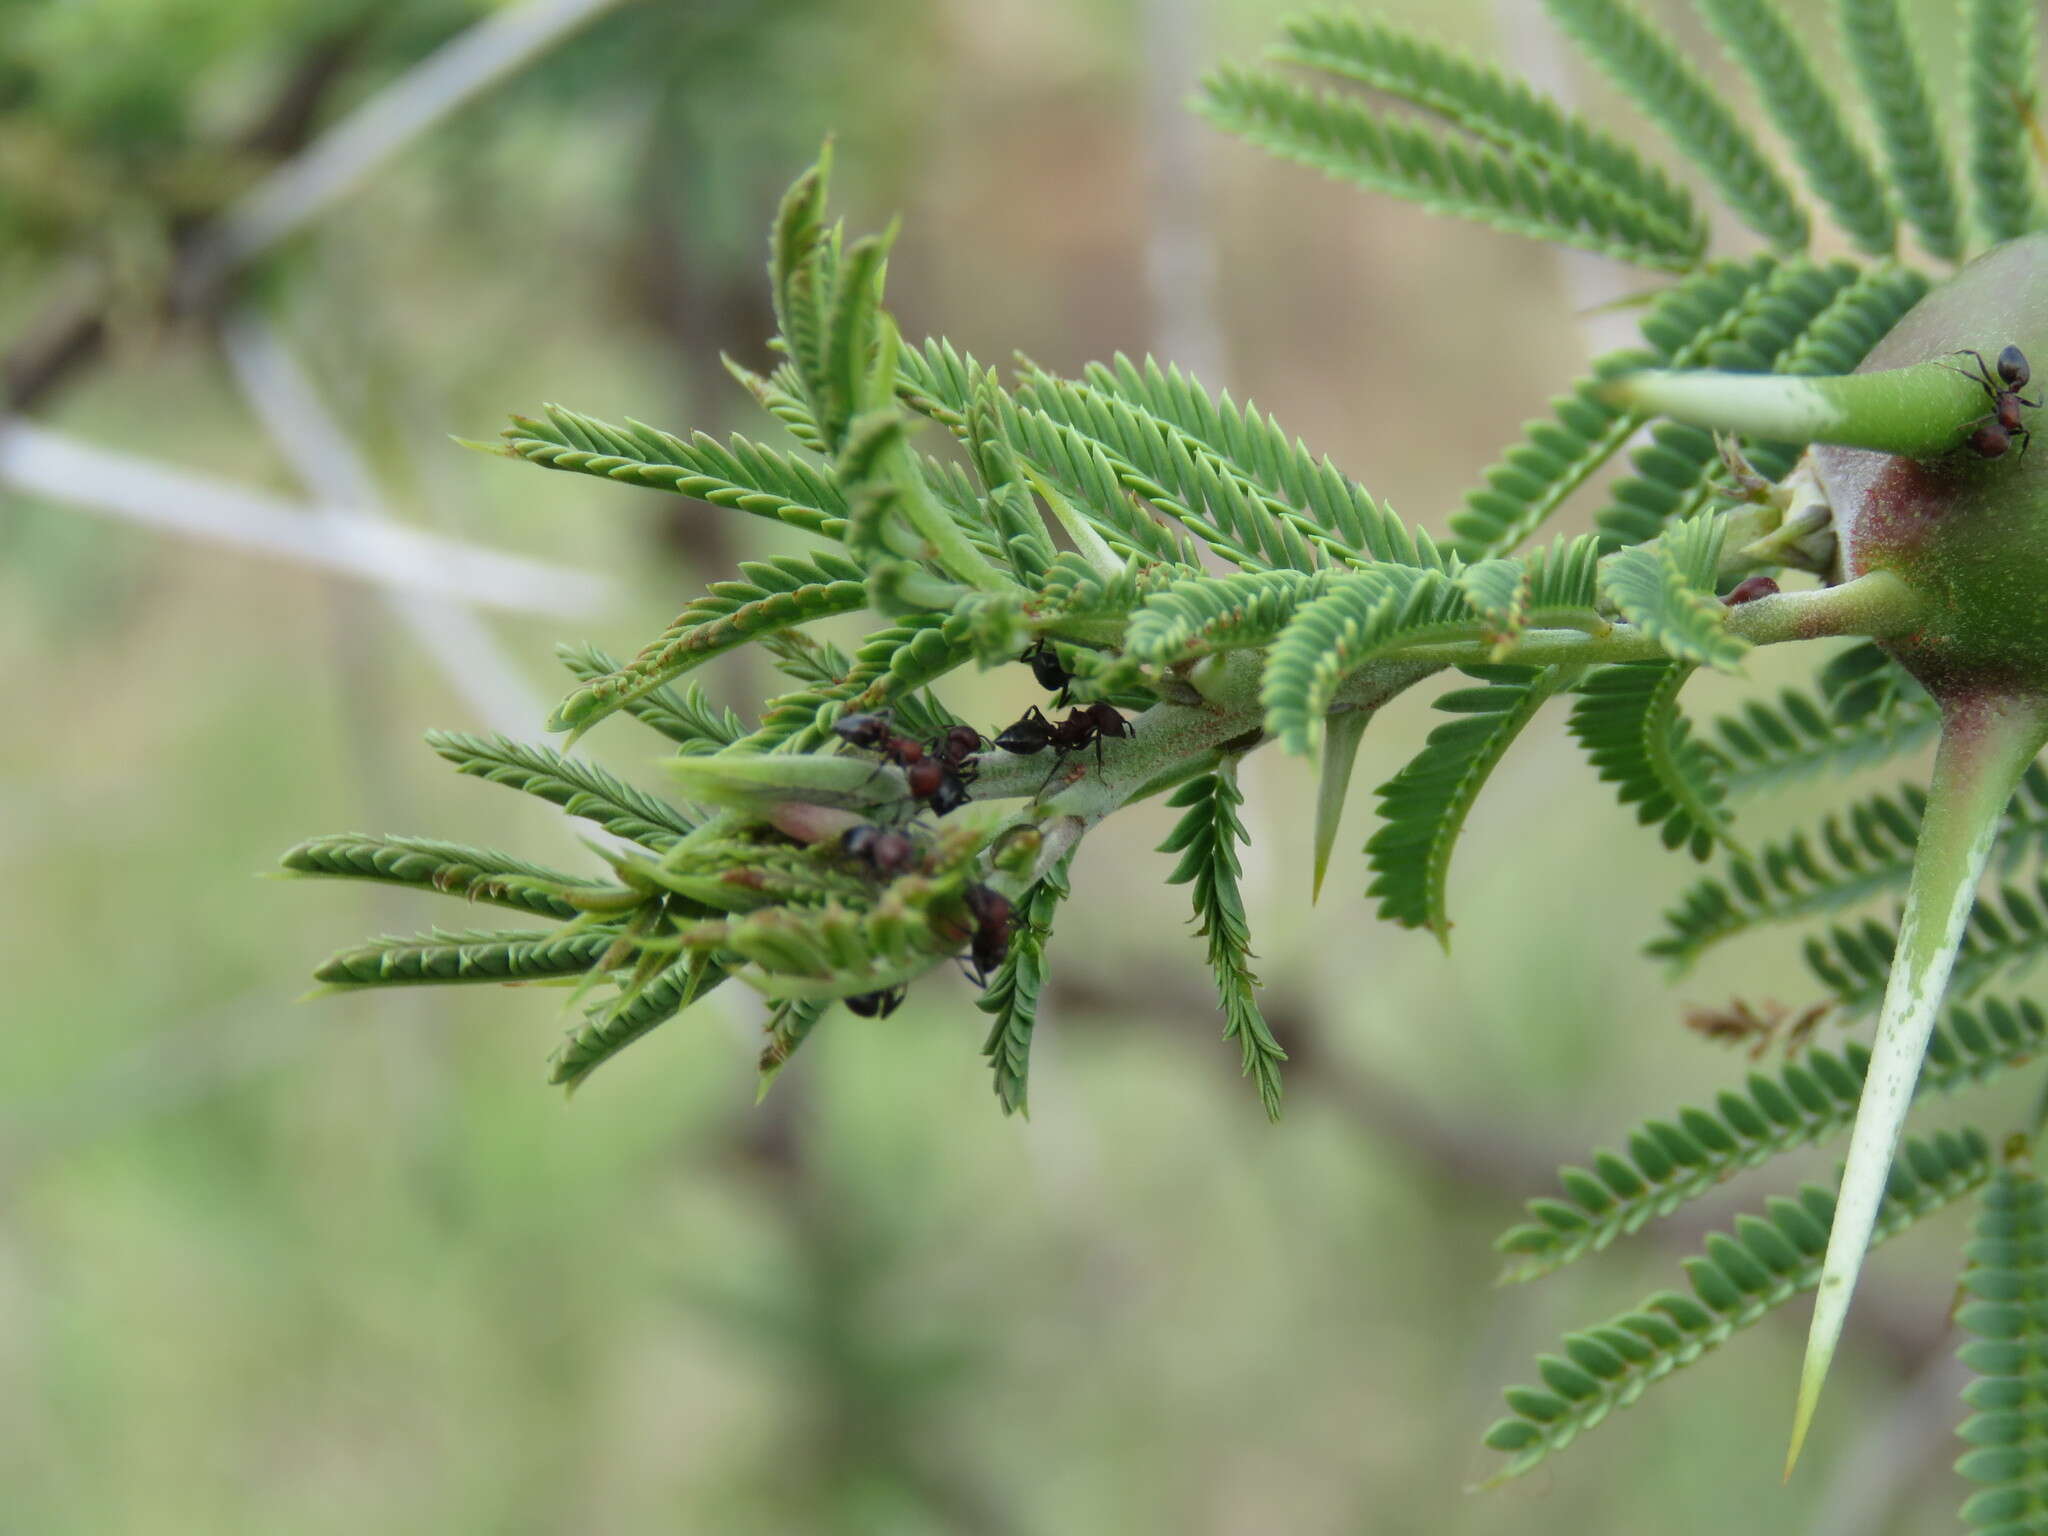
270, 1268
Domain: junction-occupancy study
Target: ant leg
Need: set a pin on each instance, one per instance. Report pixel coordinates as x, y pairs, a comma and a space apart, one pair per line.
1982, 377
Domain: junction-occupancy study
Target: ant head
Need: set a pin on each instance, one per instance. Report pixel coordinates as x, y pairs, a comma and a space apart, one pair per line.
870, 730
2012, 367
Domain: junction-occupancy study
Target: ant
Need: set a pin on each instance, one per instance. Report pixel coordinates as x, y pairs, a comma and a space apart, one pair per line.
1045, 665
886, 852
1749, 589
1995, 433
955, 747
939, 779
1089, 725
877, 1005
992, 916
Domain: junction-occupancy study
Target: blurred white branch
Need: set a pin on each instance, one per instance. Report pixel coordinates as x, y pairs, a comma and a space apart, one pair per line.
306, 433
343, 157
1593, 284
46, 463
1180, 234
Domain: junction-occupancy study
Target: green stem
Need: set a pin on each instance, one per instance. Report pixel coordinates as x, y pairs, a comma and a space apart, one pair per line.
1920, 412
1091, 546
948, 542
1880, 604
1987, 742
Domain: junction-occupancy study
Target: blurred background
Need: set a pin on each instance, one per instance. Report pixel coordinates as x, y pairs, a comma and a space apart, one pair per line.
348, 1265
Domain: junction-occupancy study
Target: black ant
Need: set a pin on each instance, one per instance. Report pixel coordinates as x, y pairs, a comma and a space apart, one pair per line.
1045, 665
992, 916
1091, 724
1995, 433
877, 1005
886, 852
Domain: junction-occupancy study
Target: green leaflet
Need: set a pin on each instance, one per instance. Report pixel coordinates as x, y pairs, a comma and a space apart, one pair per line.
801, 254
689, 719
2005, 1279
617, 1022
888, 670
1737, 1280
1642, 61
580, 788
1667, 1163
1197, 615
438, 957
1325, 505
852, 327
789, 1025
771, 595
2007, 932
1362, 614
1504, 113
1424, 805
736, 474
1206, 838
780, 396
1558, 453
1081, 469
1628, 721
1880, 47
474, 874
1011, 997
939, 383
2003, 97
1667, 590
1788, 83
1498, 591
1768, 746
1676, 474
1444, 172
1854, 855
1179, 476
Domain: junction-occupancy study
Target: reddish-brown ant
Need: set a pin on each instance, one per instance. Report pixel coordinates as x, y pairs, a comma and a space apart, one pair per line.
876, 1005
992, 915
1749, 589
956, 746
886, 852
941, 779
1994, 435
869, 732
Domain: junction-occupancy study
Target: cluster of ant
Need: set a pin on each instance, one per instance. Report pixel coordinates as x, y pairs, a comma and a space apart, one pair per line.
1994, 434
938, 772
